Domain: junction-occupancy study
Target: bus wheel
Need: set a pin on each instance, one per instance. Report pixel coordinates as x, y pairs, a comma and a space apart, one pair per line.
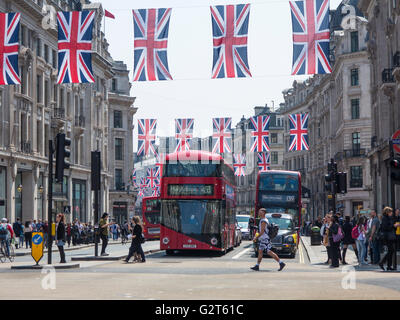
169, 252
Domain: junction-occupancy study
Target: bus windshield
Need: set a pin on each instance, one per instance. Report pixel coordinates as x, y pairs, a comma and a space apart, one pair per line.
153, 217
192, 169
279, 182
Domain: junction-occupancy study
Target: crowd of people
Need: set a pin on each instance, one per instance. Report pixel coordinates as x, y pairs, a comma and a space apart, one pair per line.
374, 238
77, 233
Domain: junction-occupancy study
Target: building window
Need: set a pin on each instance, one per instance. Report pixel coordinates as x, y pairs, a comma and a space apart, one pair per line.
18, 197
22, 35
114, 85
118, 119
357, 205
119, 185
79, 200
39, 89
274, 138
354, 41
354, 77
356, 177
119, 149
38, 47
274, 157
46, 94
355, 109
46, 53
54, 55
356, 142
23, 80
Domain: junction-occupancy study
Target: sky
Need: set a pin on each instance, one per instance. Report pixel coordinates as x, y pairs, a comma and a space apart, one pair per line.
192, 93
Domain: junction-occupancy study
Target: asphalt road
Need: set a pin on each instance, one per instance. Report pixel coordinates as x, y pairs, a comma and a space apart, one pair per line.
193, 275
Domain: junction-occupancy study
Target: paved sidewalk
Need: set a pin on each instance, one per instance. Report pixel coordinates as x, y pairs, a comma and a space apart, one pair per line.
27, 252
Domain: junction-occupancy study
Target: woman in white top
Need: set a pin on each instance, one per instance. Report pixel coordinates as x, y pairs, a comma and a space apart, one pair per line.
360, 241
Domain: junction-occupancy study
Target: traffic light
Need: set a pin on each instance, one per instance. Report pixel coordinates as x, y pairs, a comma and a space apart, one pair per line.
61, 154
395, 169
341, 182
96, 170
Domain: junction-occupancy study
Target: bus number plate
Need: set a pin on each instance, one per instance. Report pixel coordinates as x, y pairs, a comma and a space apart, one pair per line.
191, 246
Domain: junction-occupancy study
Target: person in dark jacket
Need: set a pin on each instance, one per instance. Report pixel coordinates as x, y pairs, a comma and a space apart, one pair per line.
389, 237
348, 239
136, 245
60, 236
334, 247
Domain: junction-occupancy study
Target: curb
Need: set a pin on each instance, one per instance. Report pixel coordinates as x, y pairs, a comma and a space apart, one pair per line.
311, 256
39, 267
108, 258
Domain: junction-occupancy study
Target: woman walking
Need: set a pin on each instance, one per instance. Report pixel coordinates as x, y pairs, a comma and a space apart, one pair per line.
60, 236
28, 234
348, 240
360, 241
136, 245
389, 238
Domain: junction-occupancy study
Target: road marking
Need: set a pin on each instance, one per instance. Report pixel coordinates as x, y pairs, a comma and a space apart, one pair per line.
301, 255
241, 253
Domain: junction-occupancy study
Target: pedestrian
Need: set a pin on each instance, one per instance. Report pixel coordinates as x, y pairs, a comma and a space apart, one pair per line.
389, 238
360, 240
33, 225
325, 238
397, 220
45, 230
137, 238
69, 233
318, 222
334, 246
104, 226
60, 236
75, 233
114, 231
17, 227
348, 239
265, 243
6, 234
372, 237
28, 234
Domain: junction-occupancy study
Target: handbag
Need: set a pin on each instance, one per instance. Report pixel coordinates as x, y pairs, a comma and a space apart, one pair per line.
338, 236
325, 240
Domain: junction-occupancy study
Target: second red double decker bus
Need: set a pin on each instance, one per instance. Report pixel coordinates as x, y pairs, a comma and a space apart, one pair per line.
151, 217
197, 202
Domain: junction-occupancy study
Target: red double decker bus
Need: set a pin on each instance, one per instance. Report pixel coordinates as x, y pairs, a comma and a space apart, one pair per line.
151, 217
197, 202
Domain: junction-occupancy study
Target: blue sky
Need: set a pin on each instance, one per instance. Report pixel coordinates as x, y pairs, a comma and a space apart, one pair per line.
192, 93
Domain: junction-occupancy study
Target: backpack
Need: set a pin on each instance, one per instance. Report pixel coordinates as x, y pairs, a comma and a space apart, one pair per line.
355, 233
273, 230
3, 230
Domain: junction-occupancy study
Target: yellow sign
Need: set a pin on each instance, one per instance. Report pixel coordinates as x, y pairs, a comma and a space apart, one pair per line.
53, 229
37, 246
330, 196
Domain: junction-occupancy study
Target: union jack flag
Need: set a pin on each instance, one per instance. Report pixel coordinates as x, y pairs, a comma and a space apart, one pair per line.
222, 135
264, 161
310, 24
151, 40
239, 164
75, 46
183, 134
144, 184
160, 159
230, 28
133, 178
155, 192
259, 133
9, 47
298, 132
152, 176
146, 136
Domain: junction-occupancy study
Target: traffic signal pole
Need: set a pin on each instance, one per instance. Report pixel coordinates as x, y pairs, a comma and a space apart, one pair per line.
50, 203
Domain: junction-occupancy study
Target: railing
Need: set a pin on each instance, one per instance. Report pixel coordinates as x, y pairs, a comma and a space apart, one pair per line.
345, 154
356, 183
396, 59
387, 75
59, 113
119, 186
26, 147
79, 121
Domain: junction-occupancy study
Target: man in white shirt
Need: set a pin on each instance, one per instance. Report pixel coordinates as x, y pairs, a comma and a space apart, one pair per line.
265, 243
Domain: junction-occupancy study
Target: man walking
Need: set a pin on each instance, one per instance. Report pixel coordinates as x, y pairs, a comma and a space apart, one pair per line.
17, 227
104, 233
265, 243
372, 232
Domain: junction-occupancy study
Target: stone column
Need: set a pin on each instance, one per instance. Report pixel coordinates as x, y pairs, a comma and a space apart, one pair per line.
11, 174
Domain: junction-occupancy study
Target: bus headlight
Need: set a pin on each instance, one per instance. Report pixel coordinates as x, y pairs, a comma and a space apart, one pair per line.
289, 239
165, 240
214, 241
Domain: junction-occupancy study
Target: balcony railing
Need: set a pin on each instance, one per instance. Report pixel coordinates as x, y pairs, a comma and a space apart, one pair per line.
396, 59
387, 76
79, 121
356, 183
345, 154
59, 113
26, 147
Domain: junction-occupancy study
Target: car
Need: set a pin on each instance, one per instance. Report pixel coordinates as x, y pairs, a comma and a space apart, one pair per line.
238, 235
287, 240
243, 221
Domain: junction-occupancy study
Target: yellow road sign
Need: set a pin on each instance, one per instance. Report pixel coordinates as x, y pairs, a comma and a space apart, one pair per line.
37, 246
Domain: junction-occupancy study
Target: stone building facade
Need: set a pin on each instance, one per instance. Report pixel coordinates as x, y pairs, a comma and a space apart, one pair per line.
384, 52
34, 112
340, 125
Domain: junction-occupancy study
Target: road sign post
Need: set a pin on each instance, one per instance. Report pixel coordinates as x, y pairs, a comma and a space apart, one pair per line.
37, 246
